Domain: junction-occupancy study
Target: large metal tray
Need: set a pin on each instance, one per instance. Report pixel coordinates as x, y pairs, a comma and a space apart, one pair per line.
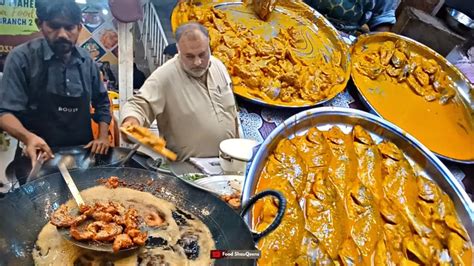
321, 38
465, 90
326, 117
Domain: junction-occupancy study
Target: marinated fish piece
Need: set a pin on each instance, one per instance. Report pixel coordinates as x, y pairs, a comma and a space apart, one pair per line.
430, 66
413, 247
415, 86
398, 59
369, 66
293, 167
447, 96
313, 148
283, 239
393, 71
342, 168
459, 249
382, 255
394, 235
369, 168
402, 46
422, 78
349, 254
214, 38
454, 224
290, 231
232, 41
386, 52
263, 8
439, 210
389, 214
323, 218
400, 185
428, 191
366, 223
312, 253
314, 151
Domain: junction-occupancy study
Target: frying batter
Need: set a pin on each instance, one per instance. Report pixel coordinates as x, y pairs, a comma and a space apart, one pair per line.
181, 240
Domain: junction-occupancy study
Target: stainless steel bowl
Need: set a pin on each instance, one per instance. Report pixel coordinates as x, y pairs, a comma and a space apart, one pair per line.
458, 21
325, 117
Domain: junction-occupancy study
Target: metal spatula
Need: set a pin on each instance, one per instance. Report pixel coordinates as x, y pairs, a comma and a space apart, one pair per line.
70, 183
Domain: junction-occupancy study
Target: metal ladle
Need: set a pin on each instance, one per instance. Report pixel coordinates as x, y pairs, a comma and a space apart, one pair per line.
91, 245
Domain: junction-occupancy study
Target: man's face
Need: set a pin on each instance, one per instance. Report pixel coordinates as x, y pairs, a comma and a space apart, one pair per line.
194, 54
61, 34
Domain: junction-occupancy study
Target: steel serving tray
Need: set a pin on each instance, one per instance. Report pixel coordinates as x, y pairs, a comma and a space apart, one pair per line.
325, 117
321, 38
465, 90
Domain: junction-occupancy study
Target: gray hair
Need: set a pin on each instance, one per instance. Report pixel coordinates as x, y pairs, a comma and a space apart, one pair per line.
190, 26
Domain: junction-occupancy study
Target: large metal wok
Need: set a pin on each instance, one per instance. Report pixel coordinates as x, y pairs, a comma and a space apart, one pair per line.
26, 210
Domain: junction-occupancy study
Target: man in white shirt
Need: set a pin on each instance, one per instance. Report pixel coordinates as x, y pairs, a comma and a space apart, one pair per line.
190, 96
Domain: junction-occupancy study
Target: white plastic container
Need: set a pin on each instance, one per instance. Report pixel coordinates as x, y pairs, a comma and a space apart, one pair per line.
234, 154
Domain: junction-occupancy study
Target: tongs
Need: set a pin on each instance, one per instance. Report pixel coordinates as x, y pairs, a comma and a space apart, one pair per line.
36, 168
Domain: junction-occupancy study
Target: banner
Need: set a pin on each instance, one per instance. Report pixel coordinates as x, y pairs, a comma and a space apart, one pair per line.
17, 17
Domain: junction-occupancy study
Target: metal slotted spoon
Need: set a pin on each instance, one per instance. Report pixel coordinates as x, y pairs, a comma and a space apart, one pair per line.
91, 245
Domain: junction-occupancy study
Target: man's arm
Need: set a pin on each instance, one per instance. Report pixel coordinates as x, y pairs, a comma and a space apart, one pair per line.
143, 108
34, 144
10, 124
102, 116
147, 104
14, 99
100, 98
383, 15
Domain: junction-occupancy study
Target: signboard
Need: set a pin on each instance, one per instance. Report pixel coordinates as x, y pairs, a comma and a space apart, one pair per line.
17, 17
17, 25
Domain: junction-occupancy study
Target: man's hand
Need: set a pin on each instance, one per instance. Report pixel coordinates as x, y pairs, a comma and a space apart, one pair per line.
99, 146
129, 121
35, 145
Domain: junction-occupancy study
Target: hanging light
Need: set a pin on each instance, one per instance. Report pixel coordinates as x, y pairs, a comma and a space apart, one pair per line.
81, 1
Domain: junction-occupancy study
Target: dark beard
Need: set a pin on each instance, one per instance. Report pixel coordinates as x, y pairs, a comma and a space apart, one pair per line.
61, 47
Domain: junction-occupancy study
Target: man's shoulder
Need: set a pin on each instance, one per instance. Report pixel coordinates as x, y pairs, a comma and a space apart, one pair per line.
30, 48
219, 66
166, 69
216, 61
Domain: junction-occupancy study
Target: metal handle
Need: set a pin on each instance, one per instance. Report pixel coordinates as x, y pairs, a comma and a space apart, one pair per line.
70, 184
279, 217
130, 154
254, 151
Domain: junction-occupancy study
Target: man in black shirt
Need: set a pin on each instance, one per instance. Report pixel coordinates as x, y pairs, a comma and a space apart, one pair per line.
49, 85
